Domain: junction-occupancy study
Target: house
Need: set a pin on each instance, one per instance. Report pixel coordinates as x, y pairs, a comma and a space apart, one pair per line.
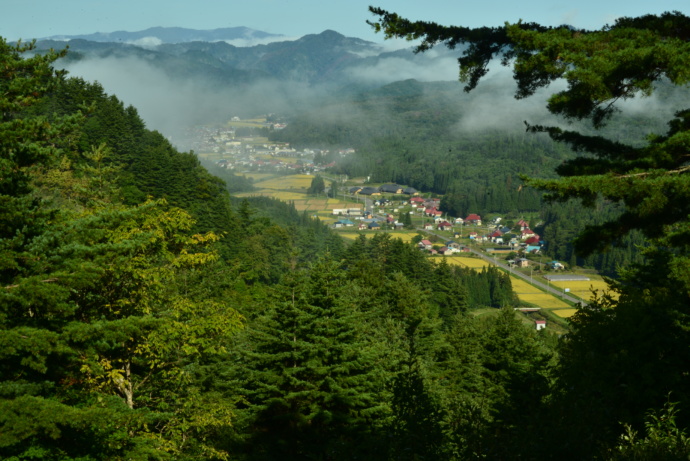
540, 324
374, 226
428, 226
410, 191
459, 221
522, 224
346, 222
533, 240
474, 219
522, 262
445, 251
416, 201
425, 244
532, 249
343, 223
444, 225
473, 235
555, 265
354, 190
363, 226
526, 233
452, 244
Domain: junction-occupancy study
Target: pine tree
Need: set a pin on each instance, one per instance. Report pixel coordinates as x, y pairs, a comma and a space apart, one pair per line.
309, 381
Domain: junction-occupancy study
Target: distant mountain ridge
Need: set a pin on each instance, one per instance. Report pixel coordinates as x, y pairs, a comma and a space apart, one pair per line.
171, 35
328, 57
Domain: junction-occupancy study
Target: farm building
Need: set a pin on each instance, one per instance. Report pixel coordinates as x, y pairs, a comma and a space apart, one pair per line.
391, 189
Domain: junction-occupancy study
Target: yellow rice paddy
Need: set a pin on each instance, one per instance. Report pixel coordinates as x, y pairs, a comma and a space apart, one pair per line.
534, 295
472, 263
583, 288
295, 181
565, 313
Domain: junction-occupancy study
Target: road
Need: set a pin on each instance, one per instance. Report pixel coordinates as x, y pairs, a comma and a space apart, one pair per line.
536, 282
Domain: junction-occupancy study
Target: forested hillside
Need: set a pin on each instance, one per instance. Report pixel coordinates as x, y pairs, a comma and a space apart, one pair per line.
145, 315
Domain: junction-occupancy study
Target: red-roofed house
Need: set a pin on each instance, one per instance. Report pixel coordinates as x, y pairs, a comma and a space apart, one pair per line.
474, 219
445, 225
526, 233
425, 245
533, 240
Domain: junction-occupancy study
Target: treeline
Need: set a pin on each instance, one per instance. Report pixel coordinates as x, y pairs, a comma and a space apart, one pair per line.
563, 222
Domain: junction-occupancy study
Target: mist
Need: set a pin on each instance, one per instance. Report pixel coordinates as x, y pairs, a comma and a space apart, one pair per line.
169, 104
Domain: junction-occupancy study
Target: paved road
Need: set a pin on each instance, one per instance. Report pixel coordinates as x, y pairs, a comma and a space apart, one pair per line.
538, 283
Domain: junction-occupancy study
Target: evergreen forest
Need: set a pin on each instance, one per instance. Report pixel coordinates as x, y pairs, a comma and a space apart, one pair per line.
145, 314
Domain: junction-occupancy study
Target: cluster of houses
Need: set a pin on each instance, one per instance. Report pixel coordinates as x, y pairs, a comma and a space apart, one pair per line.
448, 249
526, 237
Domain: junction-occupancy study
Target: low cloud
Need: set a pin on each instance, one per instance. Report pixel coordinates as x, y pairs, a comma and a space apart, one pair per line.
424, 68
147, 42
169, 104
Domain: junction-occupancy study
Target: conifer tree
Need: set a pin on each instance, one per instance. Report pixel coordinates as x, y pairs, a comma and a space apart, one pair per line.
310, 382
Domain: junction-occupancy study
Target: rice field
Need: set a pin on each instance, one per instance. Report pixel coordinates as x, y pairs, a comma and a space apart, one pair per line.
565, 313
295, 181
583, 288
472, 263
535, 296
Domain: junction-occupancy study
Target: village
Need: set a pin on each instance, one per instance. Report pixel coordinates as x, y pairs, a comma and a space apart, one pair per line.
354, 206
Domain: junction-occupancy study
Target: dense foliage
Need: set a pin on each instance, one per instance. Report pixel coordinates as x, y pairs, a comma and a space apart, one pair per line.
627, 356
143, 315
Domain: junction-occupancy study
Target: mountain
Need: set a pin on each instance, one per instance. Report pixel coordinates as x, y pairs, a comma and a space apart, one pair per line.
328, 57
160, 35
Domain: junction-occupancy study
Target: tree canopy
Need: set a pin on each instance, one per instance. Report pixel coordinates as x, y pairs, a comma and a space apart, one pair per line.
627, 354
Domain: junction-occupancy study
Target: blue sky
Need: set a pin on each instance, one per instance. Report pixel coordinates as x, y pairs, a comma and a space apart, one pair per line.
28, 19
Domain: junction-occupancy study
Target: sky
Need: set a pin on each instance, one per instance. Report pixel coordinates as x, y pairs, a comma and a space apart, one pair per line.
28, 19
